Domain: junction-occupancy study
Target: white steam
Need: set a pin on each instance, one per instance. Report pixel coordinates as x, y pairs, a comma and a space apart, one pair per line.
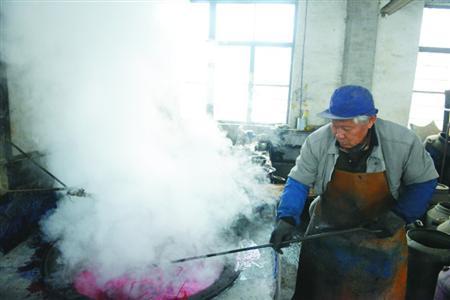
96, 85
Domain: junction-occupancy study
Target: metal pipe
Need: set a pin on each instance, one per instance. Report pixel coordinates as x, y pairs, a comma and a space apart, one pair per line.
38, 165
77, 192
36, 190
283, 244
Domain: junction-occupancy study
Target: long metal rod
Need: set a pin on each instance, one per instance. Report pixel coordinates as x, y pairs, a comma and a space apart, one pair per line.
78, 192
38, 165
283, 244
36, 190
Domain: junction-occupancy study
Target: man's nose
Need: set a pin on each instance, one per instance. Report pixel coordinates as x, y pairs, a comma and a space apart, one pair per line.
339, 134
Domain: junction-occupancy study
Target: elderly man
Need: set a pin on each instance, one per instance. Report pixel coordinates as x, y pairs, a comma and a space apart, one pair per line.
368, 172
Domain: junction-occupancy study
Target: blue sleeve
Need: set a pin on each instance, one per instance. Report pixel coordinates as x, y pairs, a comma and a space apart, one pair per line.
413, 202
293, 200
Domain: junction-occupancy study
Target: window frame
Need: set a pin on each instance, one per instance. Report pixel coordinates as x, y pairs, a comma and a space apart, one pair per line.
253, 46
442, 50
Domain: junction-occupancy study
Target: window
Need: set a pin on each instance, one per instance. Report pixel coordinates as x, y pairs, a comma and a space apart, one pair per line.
433, 68
250, 64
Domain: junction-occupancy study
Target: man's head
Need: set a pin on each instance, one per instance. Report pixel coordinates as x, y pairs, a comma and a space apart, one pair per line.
352, 114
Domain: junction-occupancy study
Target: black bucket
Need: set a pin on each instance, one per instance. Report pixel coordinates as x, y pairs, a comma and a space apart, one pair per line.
429, 252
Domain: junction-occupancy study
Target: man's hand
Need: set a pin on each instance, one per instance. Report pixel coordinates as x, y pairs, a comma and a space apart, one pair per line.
282, 232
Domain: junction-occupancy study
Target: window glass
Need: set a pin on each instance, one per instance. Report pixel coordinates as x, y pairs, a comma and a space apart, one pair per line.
230, 102
232, 64
274, 22
198, 17
432, 72
272, 65
435, 28
269, 104
195, 69
425, 108
268, 77
235, 22
255, 22
231, 79
433, 69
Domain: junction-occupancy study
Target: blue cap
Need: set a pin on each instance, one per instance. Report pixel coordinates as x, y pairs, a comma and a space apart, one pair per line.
350, 101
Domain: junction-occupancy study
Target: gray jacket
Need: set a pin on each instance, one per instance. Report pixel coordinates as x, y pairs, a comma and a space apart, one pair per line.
399, 153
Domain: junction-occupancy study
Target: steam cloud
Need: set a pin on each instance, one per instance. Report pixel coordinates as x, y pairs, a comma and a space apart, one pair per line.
99, 87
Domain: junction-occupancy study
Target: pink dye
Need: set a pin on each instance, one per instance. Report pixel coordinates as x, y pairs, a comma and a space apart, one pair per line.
180, 283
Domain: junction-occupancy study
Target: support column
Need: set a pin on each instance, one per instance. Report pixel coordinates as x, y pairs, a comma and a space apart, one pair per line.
360, 42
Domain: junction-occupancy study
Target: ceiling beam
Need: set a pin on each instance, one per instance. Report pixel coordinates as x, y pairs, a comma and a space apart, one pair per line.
393, 6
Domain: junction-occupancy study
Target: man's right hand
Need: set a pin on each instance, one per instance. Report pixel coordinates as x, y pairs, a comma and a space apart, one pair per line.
282, 232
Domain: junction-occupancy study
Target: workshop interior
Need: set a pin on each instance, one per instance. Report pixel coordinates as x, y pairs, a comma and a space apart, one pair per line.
145, 145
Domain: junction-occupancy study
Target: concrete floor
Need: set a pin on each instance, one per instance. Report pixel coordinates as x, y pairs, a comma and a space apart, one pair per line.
20, 273
288, 271
17, 273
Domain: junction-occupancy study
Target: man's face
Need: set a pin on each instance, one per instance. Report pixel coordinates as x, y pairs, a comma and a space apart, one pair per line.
349, 134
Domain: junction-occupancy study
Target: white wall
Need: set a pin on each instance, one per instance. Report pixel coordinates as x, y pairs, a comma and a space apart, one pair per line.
324, 46
395, 61
324, 49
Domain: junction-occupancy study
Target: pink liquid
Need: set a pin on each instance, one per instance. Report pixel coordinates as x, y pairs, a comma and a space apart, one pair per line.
177, 283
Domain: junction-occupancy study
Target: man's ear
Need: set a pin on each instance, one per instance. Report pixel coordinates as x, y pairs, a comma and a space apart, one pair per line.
372, 121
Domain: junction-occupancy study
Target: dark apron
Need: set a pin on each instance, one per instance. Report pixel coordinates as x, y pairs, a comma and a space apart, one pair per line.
355, 265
